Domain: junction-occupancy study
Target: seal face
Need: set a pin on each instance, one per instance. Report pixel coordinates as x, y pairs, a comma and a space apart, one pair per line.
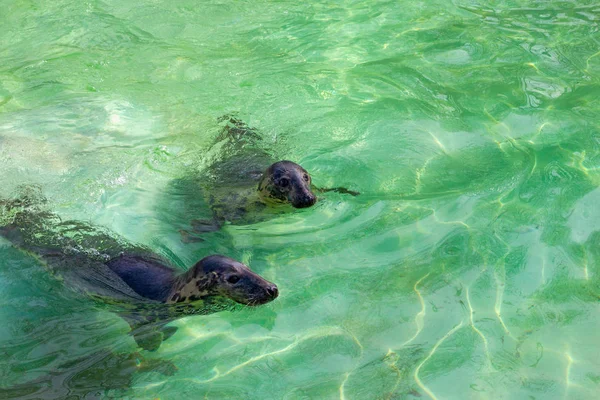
242, 180
222, 276
287, 182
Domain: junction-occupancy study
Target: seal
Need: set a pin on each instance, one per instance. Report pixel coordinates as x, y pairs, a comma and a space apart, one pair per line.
214, 275
147, 291
242, 184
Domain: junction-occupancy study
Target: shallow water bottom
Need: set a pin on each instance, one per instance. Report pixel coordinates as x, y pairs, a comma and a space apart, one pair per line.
466, 268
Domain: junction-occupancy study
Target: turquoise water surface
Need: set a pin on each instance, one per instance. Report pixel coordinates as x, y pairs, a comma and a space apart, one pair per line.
468, 267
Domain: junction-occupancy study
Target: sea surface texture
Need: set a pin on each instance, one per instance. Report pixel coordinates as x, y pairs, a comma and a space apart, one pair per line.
467, 268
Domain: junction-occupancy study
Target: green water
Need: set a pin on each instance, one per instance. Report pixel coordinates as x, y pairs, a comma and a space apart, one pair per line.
468, 268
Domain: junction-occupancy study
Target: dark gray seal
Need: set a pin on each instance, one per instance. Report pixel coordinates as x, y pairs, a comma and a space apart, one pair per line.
214, 275
147, 291
286, 182
242, 185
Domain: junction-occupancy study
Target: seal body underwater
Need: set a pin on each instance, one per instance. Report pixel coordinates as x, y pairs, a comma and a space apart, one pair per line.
146, 290
242, 185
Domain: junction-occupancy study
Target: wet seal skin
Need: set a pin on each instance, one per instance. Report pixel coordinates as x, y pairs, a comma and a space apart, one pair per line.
144, 288
287, 182
243, 185
214, 275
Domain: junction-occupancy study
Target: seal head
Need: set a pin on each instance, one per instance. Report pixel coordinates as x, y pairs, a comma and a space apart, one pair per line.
218, 275
287, 182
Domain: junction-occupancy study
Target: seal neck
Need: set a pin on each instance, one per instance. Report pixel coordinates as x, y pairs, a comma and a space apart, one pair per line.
263, 196
190, 286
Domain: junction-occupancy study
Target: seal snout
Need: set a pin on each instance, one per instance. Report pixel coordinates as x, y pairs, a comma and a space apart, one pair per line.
306, 199
269, 293
272, 291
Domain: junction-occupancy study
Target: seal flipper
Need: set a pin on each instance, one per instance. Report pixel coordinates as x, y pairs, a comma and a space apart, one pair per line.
205, 225
150, 341
168, 331
187, 237
340, 189
199, 226
148, 331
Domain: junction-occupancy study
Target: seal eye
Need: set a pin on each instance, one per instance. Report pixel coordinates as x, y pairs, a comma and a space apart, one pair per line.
233, 279
284, 182
306, 177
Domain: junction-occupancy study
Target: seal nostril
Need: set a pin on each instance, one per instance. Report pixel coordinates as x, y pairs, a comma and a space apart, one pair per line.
273, 291
305, 200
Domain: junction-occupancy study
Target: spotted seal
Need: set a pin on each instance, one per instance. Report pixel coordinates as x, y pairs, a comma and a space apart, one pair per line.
215, 275
146, 290
242, 184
